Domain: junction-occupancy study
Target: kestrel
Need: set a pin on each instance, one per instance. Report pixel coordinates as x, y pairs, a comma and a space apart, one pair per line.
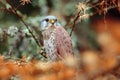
57, 41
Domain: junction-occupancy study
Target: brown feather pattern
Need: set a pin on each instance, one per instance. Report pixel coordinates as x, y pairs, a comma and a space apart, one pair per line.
57, 43
63, 42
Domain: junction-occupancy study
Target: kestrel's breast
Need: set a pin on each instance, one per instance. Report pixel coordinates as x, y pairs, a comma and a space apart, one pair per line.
50, 47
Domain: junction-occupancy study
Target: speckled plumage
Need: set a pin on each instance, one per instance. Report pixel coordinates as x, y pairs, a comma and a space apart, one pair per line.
57, 42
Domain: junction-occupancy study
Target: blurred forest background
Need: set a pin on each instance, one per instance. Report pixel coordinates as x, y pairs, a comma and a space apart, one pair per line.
94, 24
16, 40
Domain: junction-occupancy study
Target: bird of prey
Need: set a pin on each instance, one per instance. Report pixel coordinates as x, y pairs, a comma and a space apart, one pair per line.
57, 42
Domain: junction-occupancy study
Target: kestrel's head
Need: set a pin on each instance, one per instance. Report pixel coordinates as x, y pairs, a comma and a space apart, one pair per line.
48, 21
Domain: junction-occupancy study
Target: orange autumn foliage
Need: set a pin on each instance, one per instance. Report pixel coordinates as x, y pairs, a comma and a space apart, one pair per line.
90, 65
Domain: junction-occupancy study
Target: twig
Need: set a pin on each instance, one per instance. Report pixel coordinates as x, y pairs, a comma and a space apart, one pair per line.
36, 40
14, 11
91, 14
73, 26
18, 6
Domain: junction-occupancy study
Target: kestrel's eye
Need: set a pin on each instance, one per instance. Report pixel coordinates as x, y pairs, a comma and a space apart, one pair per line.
55, 20
46, 20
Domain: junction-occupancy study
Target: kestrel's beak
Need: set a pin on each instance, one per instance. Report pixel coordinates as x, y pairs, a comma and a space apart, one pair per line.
52, 21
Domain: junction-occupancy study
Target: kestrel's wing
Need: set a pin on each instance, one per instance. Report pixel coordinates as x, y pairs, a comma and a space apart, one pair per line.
63, 42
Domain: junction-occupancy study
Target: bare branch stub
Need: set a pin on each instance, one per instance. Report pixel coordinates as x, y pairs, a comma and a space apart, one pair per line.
75, 20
